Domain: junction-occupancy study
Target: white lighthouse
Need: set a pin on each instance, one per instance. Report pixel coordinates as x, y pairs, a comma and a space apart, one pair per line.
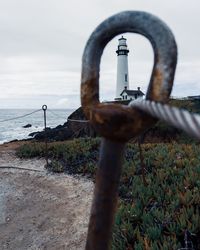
122, 67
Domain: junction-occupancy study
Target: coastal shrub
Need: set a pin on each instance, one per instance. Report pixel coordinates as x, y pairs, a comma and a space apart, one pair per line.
31, 150
159, 215
78, 156
55, 166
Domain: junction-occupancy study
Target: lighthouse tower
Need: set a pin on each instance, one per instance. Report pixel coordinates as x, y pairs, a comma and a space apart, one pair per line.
122, 67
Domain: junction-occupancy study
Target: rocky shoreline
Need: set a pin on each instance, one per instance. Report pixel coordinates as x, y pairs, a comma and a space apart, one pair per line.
76, 126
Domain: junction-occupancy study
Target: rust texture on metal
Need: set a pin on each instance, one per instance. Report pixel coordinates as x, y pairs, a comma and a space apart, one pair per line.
160, 86
105, 195
118, 123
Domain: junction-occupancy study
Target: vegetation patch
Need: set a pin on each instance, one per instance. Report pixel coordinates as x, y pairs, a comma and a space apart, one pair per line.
78, 156
161, 213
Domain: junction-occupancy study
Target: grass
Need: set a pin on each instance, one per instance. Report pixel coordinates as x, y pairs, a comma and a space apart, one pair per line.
158, 215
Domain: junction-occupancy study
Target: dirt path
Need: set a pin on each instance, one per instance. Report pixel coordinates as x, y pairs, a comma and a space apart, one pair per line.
39, 210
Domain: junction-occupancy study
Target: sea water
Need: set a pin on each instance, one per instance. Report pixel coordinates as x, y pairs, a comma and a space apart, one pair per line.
13, 129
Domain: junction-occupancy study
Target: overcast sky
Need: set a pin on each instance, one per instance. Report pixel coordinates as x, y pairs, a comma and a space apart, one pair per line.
42, 41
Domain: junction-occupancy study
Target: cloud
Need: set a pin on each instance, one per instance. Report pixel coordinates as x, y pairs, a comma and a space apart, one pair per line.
42, 44
63, 101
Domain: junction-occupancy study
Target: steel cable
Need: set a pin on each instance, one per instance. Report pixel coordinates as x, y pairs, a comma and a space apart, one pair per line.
21, 168
68, 119
18, 117
179, 118
74, 120
61, 117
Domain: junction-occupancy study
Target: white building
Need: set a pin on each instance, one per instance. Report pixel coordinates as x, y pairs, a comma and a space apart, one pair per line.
122, 89
131, 94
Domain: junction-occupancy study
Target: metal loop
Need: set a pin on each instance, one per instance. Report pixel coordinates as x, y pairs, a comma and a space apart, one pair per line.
44, 107
116, 121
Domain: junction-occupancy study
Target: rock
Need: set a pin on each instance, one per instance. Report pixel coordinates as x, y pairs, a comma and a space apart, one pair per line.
59, 126
27, 126
33, 133
15, 140
54, 134
69, 130
80, 129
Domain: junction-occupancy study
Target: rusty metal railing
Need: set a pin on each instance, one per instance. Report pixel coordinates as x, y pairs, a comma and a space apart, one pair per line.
117, 123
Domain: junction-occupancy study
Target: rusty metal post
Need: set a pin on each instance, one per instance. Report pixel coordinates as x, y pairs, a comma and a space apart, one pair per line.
118, 123
105, 195
44, 108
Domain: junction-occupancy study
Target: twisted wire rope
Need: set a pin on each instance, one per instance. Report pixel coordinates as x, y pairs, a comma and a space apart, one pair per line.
179, 118
54, 113
68, 119
19, 117
74, 120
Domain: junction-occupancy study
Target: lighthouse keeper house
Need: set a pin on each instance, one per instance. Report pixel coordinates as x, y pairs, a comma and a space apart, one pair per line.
131, 94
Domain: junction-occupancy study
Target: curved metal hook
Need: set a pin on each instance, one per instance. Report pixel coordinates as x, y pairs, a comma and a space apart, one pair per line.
118, 121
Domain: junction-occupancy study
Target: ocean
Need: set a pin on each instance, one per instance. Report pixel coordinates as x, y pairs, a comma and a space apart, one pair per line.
13, 129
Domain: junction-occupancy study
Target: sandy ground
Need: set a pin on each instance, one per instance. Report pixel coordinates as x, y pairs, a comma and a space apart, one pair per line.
39, 210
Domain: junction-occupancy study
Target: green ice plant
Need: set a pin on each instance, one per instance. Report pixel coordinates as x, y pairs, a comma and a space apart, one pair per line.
148, 217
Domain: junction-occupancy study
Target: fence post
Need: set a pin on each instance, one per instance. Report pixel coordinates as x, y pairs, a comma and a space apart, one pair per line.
44, 107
